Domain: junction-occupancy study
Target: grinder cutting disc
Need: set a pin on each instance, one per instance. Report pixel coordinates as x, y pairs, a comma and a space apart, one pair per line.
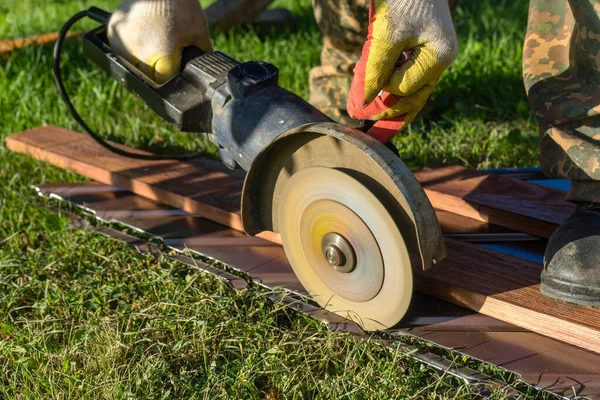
345, 247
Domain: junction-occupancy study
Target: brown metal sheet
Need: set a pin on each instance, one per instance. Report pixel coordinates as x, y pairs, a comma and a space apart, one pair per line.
109, 202
546, 363
146, 247
540, 361
543, 362
263, 260
429, 313
277, 273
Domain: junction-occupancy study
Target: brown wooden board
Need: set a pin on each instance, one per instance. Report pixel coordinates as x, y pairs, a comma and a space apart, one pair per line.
503, 201
507, 288
494, 284
198, 188
204, 189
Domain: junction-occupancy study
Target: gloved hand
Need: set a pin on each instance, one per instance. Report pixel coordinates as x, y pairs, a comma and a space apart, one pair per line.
151, 34
409, 44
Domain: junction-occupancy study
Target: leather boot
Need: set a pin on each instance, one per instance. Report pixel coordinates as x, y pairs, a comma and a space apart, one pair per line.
572, 260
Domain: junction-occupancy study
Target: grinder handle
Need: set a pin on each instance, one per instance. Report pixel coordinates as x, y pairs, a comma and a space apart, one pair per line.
103, 17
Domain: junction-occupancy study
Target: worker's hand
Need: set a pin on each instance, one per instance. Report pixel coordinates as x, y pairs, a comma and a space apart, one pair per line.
409, 44
151, 34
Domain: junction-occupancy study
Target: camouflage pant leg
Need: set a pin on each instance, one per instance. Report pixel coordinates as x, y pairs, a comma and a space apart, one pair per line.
561, 70
344, 25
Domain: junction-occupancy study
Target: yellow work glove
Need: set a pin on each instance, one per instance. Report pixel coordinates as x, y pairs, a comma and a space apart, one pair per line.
409, 44
151, 34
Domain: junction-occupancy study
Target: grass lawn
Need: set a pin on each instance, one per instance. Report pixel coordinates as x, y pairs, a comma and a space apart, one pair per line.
82, 316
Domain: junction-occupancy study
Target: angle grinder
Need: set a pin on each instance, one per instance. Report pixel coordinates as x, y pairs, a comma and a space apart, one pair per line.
354, 222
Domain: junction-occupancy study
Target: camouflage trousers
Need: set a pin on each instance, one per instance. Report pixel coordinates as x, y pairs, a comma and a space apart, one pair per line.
343, 24
561, 70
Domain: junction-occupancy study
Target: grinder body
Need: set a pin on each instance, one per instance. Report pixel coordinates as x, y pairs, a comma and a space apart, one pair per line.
238, 105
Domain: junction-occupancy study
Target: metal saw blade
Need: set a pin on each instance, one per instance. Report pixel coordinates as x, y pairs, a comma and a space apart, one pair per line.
328, 219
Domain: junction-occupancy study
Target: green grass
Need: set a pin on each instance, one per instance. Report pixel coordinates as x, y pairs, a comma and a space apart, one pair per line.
82, 316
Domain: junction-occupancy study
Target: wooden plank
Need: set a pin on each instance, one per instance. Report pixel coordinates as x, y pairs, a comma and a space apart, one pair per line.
206, 190
496, 199
196, 188
507, 288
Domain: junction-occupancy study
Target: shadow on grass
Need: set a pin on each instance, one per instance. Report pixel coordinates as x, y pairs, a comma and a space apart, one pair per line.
492, 96
303, 23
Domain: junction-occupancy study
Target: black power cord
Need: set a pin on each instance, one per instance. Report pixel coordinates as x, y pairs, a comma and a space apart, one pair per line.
102, 17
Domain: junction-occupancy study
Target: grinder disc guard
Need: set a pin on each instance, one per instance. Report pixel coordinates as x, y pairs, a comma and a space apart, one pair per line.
353, 220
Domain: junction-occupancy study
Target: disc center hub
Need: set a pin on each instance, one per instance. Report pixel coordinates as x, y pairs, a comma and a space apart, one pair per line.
338, 252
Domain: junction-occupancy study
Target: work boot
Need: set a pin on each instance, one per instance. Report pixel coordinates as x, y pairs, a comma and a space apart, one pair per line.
572, 260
